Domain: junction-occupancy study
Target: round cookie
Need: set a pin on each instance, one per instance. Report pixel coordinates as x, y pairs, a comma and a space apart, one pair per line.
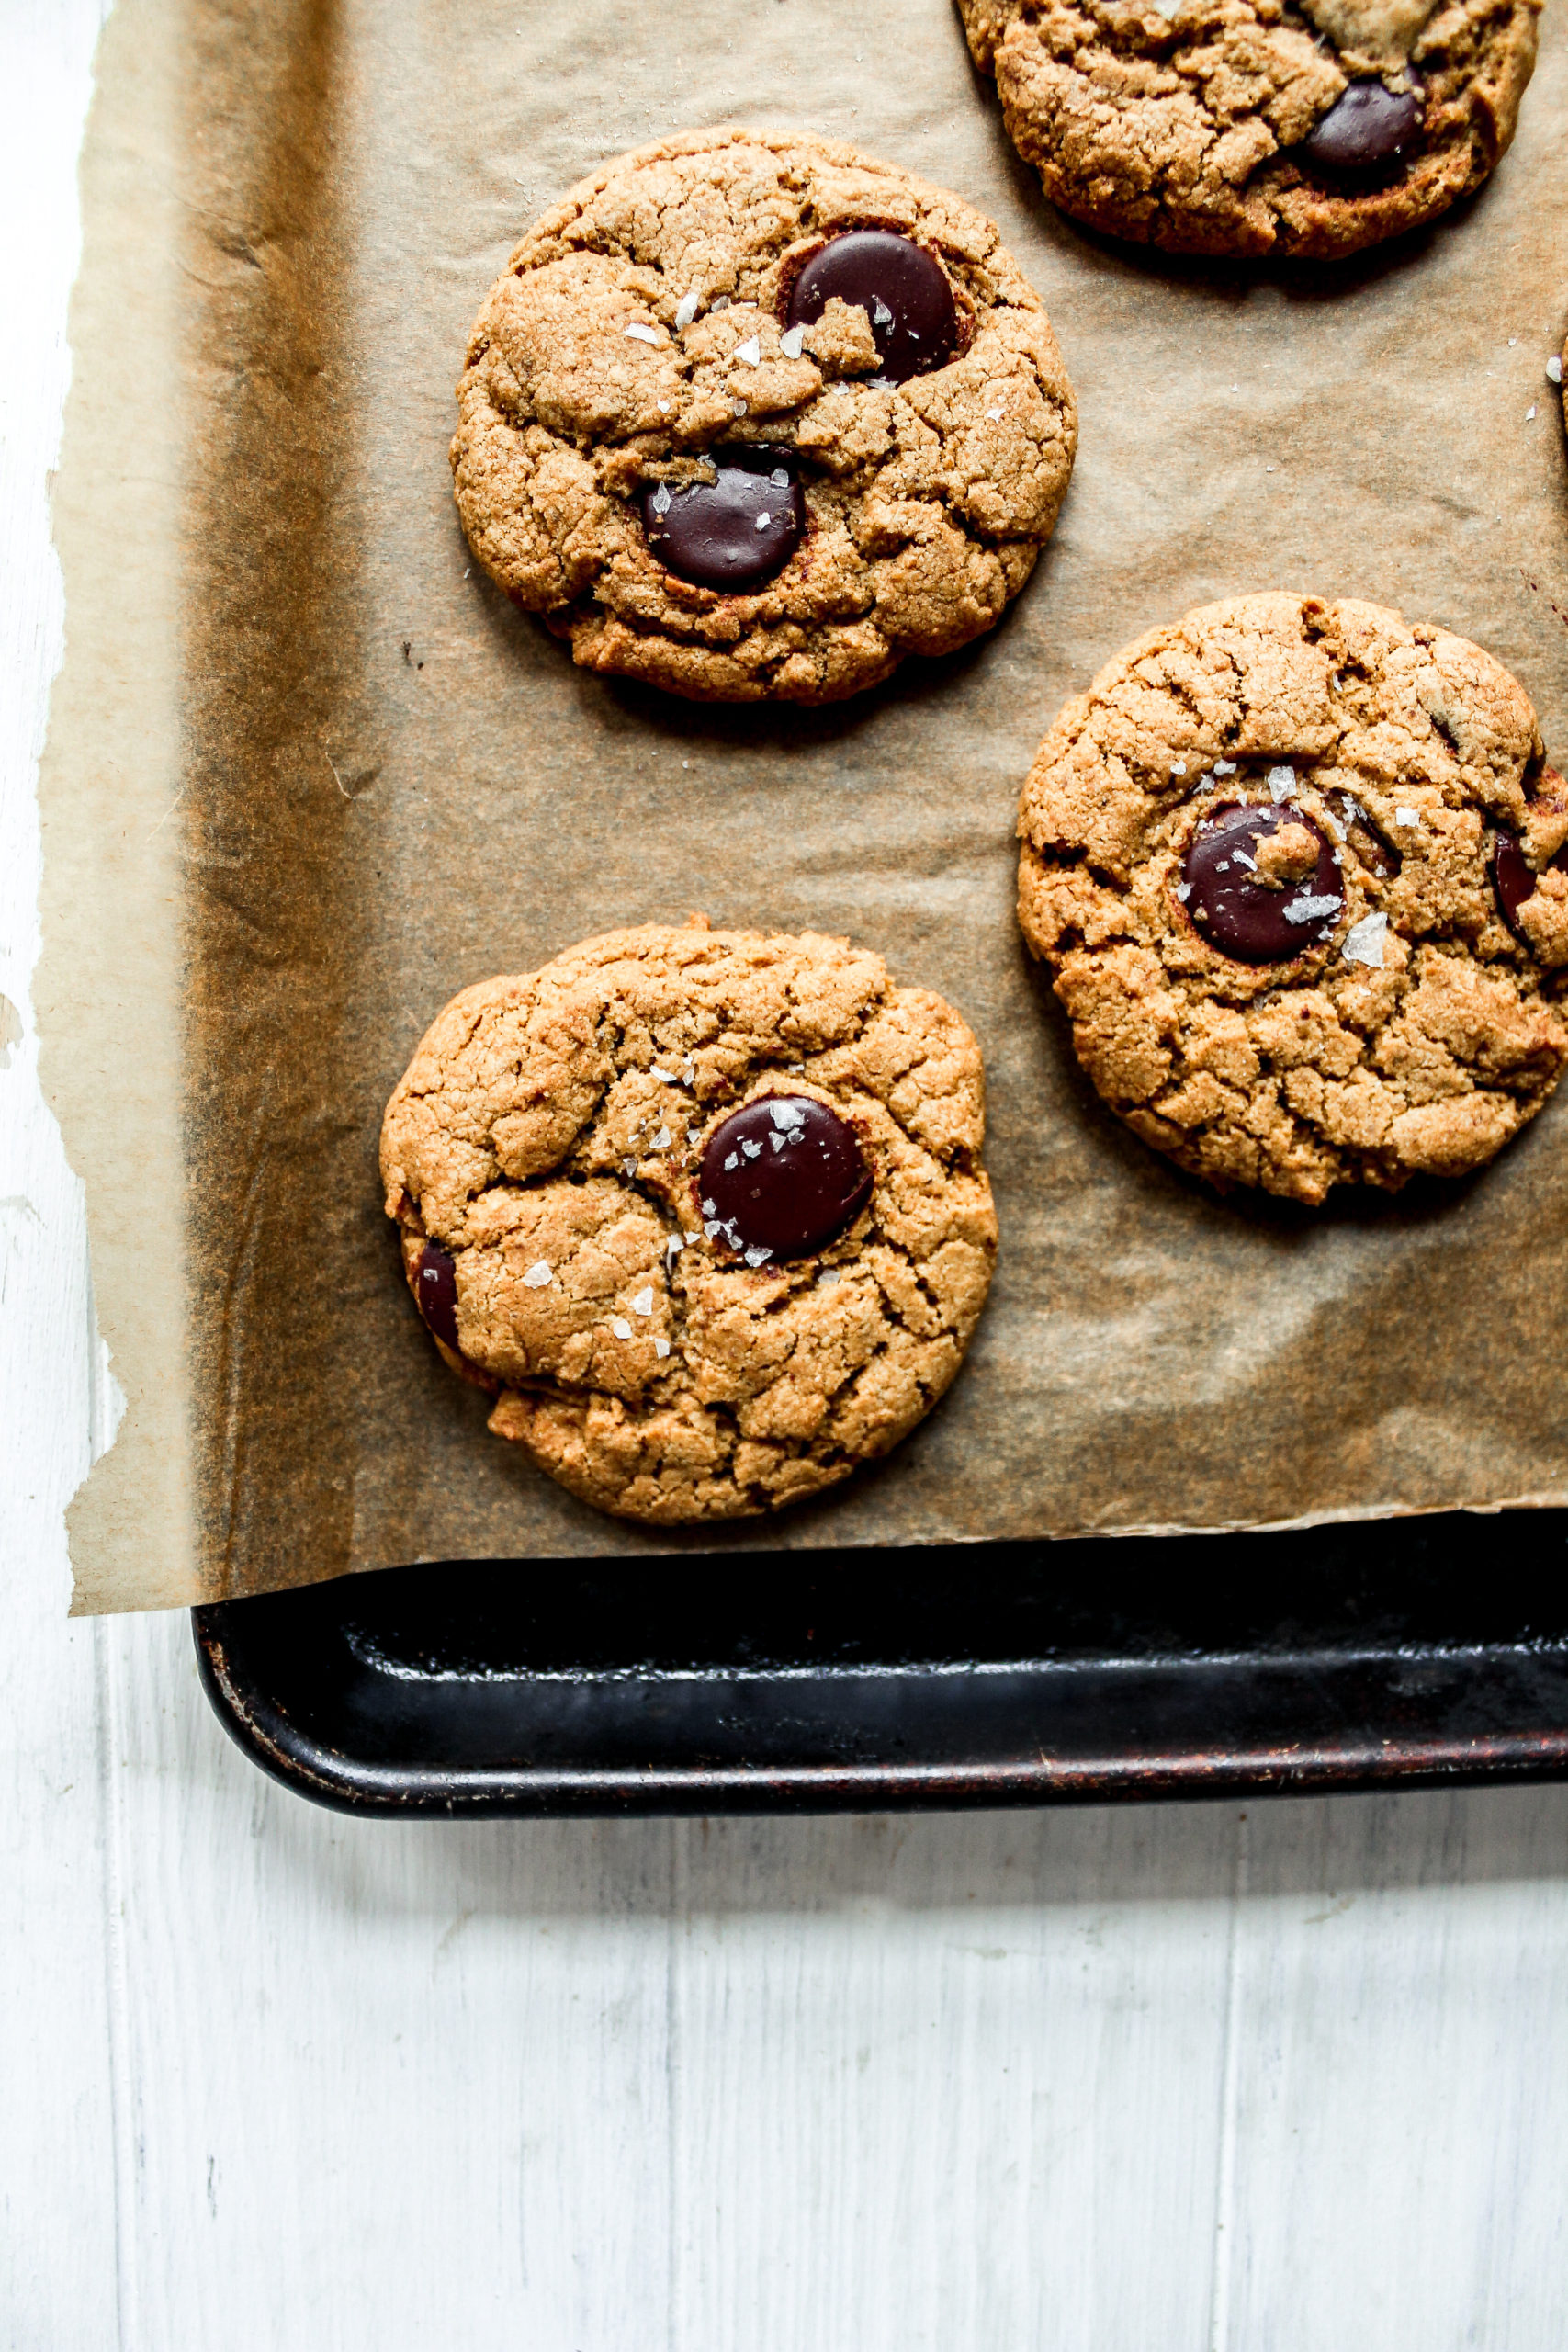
751, 417
1301, 871
703, 1209
1299, 127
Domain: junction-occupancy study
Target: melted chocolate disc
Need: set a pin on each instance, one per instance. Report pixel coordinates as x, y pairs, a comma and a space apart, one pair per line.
1239, 914
1514, 880
902, 289
1367, 128
435, 1289
783, 1176
736, 533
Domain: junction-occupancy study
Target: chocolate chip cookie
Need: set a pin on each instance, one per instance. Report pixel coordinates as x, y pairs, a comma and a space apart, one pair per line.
703, 1210
751, 417
1301, 871
1303, 127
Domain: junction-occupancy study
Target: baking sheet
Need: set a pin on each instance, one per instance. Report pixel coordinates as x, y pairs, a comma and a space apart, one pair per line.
308, 775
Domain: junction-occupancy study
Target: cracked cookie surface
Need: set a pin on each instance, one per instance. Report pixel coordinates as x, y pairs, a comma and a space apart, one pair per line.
541, 1156
1242, 126
1402, 824
640, 331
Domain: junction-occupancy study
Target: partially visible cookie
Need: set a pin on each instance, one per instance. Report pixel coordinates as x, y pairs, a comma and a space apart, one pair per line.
703, 1209
1301, 127
1301, 871
751, 417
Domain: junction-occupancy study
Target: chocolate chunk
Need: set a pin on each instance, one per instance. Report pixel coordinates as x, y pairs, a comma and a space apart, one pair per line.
1514, 880
783, 1177
1242, 915
902, 289
435, 1288
734, 533
1379, 857
1367, 129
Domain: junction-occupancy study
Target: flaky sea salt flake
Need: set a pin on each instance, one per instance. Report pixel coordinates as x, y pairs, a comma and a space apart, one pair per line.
643, 334
1242, 858
1529, 414
752, 1150
1407, 815
686, 310
1364, 940
763, 520
710, 1208
621, 1327
660, 501
1312, 906
660, 1141
642, 1302
665, 1077
881, 315
733, 1161
1281, 781
751, 351
660, 1349
738, 408
1225, 767
1184, 891
757, 1255
1555, 369
791, 341
537, 1275
995, 415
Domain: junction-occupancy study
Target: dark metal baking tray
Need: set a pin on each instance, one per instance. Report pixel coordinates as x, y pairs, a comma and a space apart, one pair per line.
1411, 1651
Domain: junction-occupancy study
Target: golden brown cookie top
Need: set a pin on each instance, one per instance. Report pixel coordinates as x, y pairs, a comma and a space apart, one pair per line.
1295, 867
1303, 127
888, 422
704, 1206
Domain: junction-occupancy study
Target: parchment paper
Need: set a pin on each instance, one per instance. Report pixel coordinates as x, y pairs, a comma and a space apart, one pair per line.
308, 775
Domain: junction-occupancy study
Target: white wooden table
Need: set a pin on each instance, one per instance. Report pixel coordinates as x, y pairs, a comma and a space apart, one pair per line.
1287, 2079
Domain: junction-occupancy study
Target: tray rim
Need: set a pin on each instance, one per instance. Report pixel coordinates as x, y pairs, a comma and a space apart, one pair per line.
296, 1759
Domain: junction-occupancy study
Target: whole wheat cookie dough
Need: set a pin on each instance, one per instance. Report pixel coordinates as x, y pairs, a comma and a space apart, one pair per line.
1297, 126
751, 417
703, 1209
1300, 871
